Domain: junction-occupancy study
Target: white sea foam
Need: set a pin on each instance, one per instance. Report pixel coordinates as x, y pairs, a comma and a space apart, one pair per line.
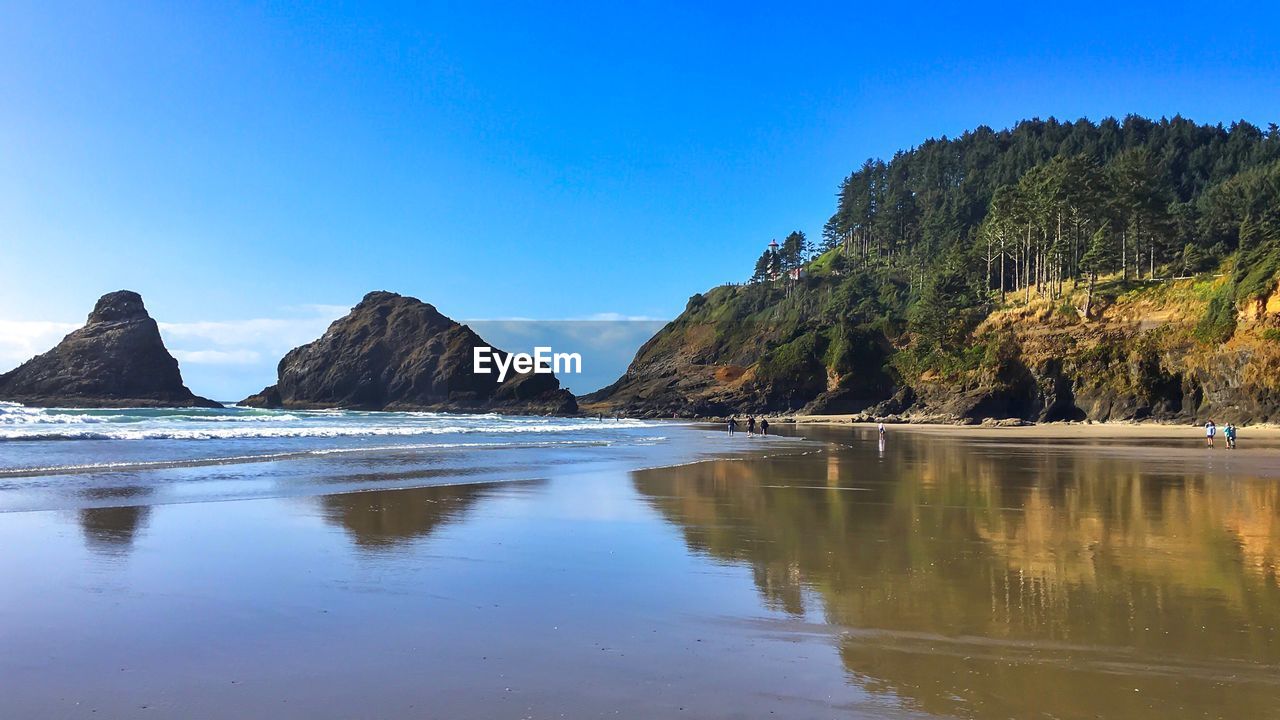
228, 433
22, 423
268, 457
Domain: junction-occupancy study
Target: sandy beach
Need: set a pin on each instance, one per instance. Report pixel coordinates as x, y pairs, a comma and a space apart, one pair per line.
1099, 430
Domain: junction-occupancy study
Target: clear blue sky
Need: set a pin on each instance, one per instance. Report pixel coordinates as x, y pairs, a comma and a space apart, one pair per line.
238, 162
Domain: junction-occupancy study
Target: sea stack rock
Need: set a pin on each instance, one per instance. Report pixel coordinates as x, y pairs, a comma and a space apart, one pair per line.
116, 360
393, 352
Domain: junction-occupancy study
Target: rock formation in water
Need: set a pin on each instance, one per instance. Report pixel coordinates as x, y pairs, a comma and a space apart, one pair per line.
116, 360
393, 352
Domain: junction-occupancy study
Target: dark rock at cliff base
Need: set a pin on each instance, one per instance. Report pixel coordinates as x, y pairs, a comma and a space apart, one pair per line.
116, 360
393, 352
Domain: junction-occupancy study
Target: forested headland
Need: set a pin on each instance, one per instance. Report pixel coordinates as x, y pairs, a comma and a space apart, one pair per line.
1123, 269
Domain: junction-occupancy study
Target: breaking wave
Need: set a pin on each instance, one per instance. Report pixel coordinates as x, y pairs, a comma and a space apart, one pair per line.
268, 457
18, 422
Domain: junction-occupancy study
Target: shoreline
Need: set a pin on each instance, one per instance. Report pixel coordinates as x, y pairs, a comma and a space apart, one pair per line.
319, 465
1147, 429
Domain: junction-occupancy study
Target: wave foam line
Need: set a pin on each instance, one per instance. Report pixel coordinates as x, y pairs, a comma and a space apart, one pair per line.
269, 457
229, 433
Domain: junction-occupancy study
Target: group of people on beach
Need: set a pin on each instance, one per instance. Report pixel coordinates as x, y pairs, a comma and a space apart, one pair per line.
1228, 432
1210, 430
751, 425
764, 426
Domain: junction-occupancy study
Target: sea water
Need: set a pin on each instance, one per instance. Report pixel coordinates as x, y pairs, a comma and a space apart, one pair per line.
59, 458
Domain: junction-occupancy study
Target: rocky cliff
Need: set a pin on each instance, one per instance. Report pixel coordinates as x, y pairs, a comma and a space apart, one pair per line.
116, 360
756, 348
393, 352
1142, 354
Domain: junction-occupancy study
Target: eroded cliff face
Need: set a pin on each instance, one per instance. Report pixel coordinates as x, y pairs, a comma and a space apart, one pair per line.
393, 352
1137, 357
117, 359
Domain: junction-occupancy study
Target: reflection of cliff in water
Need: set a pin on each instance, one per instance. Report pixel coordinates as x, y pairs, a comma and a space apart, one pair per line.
381, 518
111, 530
977, 579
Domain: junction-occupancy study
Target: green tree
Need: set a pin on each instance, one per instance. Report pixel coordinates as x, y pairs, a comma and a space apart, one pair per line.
944, 312
794, 251
1142, 198
1193, 259
764, 266
1099, 255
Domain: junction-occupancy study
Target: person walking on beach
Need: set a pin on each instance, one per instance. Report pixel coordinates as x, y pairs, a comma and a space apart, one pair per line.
881, 431
1229, 432
733, 424
764, 427
751, 425
1209, 431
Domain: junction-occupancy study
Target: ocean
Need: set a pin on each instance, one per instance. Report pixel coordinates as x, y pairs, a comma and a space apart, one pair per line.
72, 458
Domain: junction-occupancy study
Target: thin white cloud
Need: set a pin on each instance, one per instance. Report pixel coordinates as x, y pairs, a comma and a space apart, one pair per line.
273, 332
593, 317
21, 340
333, 311
217, 357
619, 317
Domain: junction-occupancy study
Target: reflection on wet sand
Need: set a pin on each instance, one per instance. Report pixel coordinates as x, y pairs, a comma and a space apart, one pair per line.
111, 530
382, 518
1008, 581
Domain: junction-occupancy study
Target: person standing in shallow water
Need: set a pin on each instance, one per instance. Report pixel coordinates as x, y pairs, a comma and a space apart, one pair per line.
1209, 431
733, 424
764, 427
751, 425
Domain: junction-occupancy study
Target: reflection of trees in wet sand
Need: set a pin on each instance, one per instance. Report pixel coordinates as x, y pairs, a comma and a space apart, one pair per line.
1012, 581
380, 518
111, 530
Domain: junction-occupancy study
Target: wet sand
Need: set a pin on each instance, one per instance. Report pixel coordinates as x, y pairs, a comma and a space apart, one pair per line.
1100, 431
939, 575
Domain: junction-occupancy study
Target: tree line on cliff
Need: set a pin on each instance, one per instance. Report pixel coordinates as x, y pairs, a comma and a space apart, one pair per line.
960, 223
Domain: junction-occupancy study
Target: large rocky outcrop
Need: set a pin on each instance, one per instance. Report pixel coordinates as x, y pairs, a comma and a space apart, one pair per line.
116, 360
753, 349
393, 352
